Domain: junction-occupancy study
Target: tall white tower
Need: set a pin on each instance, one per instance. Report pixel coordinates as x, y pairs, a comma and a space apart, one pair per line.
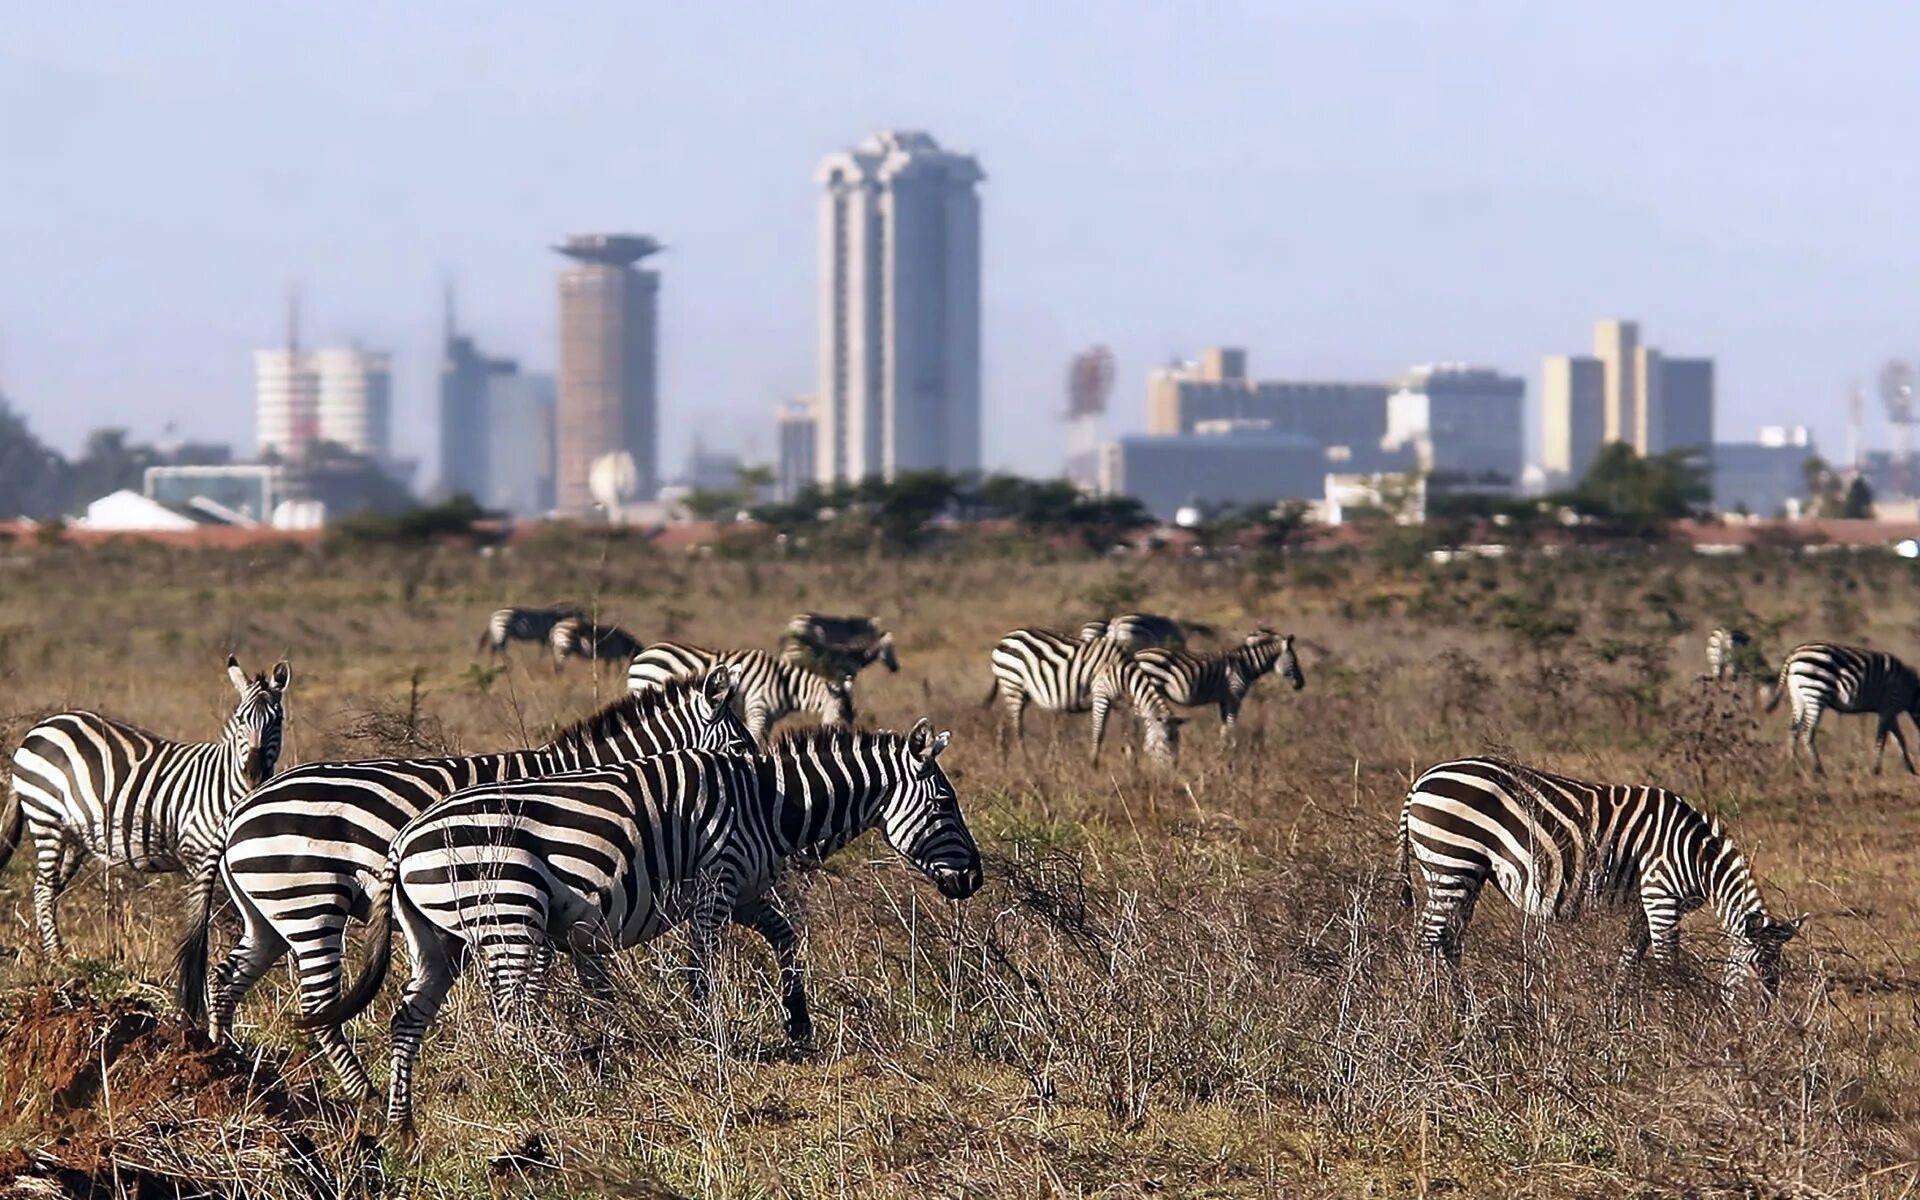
354, 399
899, 309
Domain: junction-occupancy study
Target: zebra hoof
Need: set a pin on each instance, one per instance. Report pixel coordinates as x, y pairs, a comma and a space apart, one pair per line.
800, 1029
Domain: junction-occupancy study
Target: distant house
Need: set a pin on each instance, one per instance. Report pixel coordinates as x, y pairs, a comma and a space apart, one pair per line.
127, 511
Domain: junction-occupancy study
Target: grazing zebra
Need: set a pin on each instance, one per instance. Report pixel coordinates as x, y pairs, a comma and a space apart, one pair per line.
585, 638
87, 784
1136, 631
1190, 680
522, 625
1723, 653
1062, 674
1847, 679
1548, 843
770, 688
597, 860
299, 856
836, 646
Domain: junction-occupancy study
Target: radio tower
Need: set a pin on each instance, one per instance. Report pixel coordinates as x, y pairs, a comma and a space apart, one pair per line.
1089, 382
1896, 393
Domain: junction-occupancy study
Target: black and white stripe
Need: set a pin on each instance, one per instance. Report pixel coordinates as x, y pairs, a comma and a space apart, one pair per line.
1548, 843
582, 637
1847, 679
1062, 674
1224, 679
522, 625
299, 856
1136, 631
1723, 652
593, 861
85, 784
836, 646
770, 688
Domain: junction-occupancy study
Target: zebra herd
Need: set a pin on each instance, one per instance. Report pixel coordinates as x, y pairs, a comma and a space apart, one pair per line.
676, 804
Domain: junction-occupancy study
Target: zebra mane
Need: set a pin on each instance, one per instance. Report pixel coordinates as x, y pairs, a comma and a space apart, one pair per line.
631, 709
829, 738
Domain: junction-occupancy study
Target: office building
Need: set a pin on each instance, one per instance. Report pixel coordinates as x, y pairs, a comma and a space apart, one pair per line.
797, 430
518, 409
899, 309
353, 400
1763, 477
286, 392
606, 399
1220, 464
1616, 346
1463, 425
1348, 419
465, 375
1626, 392
1679, 405
1572, 416
252, 490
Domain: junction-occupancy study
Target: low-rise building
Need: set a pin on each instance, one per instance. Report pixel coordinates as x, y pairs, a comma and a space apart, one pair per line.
1764, 477
1228, 463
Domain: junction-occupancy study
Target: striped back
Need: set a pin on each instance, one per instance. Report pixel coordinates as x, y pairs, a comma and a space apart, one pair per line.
585, 638
1192, 679
523, 625
1064, 674
1723, 649
1849, 679
770, 688
1136, 631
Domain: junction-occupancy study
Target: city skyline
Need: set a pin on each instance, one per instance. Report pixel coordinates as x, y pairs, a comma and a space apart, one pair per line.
1341, 237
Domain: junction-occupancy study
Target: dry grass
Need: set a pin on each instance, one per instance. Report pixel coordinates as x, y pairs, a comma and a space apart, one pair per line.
1195, 982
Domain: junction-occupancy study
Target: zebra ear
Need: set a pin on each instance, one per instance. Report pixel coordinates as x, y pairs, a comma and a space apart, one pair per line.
919, 737
235, 674
719, 685
282, 675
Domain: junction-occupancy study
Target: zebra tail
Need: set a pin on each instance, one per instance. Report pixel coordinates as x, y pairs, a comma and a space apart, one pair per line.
190, 959
374, 973
1779, 686
1406, 859
993, 693
13, 822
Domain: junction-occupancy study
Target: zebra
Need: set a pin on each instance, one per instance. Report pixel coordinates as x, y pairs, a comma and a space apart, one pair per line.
85, 784
1063, 674
1548, 843
1847, 679
1190, 680
1136, 631
770, 688
522, 625
837, 646
596, 860
1724, 647
585, 638
299, 855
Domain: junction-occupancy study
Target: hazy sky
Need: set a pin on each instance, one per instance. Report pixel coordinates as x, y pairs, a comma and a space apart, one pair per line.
1344, 189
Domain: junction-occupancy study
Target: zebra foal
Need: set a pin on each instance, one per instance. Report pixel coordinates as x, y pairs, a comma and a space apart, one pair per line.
836, 646
1224, 678
1070, 675
1847, 679
84, 784
1136, 631
596, 860
770, 688
1548, 843
299, 856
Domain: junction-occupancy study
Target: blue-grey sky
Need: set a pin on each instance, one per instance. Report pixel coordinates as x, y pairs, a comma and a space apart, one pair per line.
1344, 189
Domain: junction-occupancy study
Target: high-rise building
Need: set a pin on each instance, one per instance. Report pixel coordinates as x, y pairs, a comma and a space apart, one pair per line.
798, 430
1348, 419
354, 399
1573, 421
1616, 344
1464, 424
519, 442
286, 391
899, 309
606, 399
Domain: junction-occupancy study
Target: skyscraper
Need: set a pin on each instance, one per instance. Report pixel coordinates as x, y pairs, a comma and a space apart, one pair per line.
286, 400
1627, 392
607, 400
354, 399
899, 309
1573, 421
798, 430
1616, 344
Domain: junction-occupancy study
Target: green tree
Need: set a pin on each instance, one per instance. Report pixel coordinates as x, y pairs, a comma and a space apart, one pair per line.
34, 480
1858, 505
1640, 496
109, 463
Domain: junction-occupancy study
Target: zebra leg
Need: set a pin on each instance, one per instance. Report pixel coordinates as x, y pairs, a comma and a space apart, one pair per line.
709, 913
1660, 909
1813, 751
1016, 715
318, 966
436, 961
1892, 726
1443, 922
761, 915
1880, 744
55, 862
1638, 938
1101, 704
1229, 713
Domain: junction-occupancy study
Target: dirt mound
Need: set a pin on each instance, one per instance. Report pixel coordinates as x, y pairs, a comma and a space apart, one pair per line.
121, 1100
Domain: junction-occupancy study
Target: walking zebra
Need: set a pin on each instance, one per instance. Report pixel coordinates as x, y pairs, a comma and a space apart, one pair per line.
1548, 843
836, 646
1190, 680
770, 688
87, 784
1136, 631
299, 856
1062, 674
585, 638
1723, 653
597, 860
522, 625
1847, 679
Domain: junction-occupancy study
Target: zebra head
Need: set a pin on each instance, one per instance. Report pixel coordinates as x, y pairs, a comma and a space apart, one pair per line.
883, 653
837, 707
921, 815
724, 730
1287, 664
1758, 950
253, 732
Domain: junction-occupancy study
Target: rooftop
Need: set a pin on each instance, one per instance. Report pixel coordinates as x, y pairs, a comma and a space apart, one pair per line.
609, 249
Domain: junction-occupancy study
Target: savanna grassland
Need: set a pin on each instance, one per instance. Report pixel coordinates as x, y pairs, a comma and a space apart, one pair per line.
1195, 982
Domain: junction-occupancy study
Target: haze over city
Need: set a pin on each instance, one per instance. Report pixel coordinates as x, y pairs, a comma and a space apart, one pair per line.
1342, 192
